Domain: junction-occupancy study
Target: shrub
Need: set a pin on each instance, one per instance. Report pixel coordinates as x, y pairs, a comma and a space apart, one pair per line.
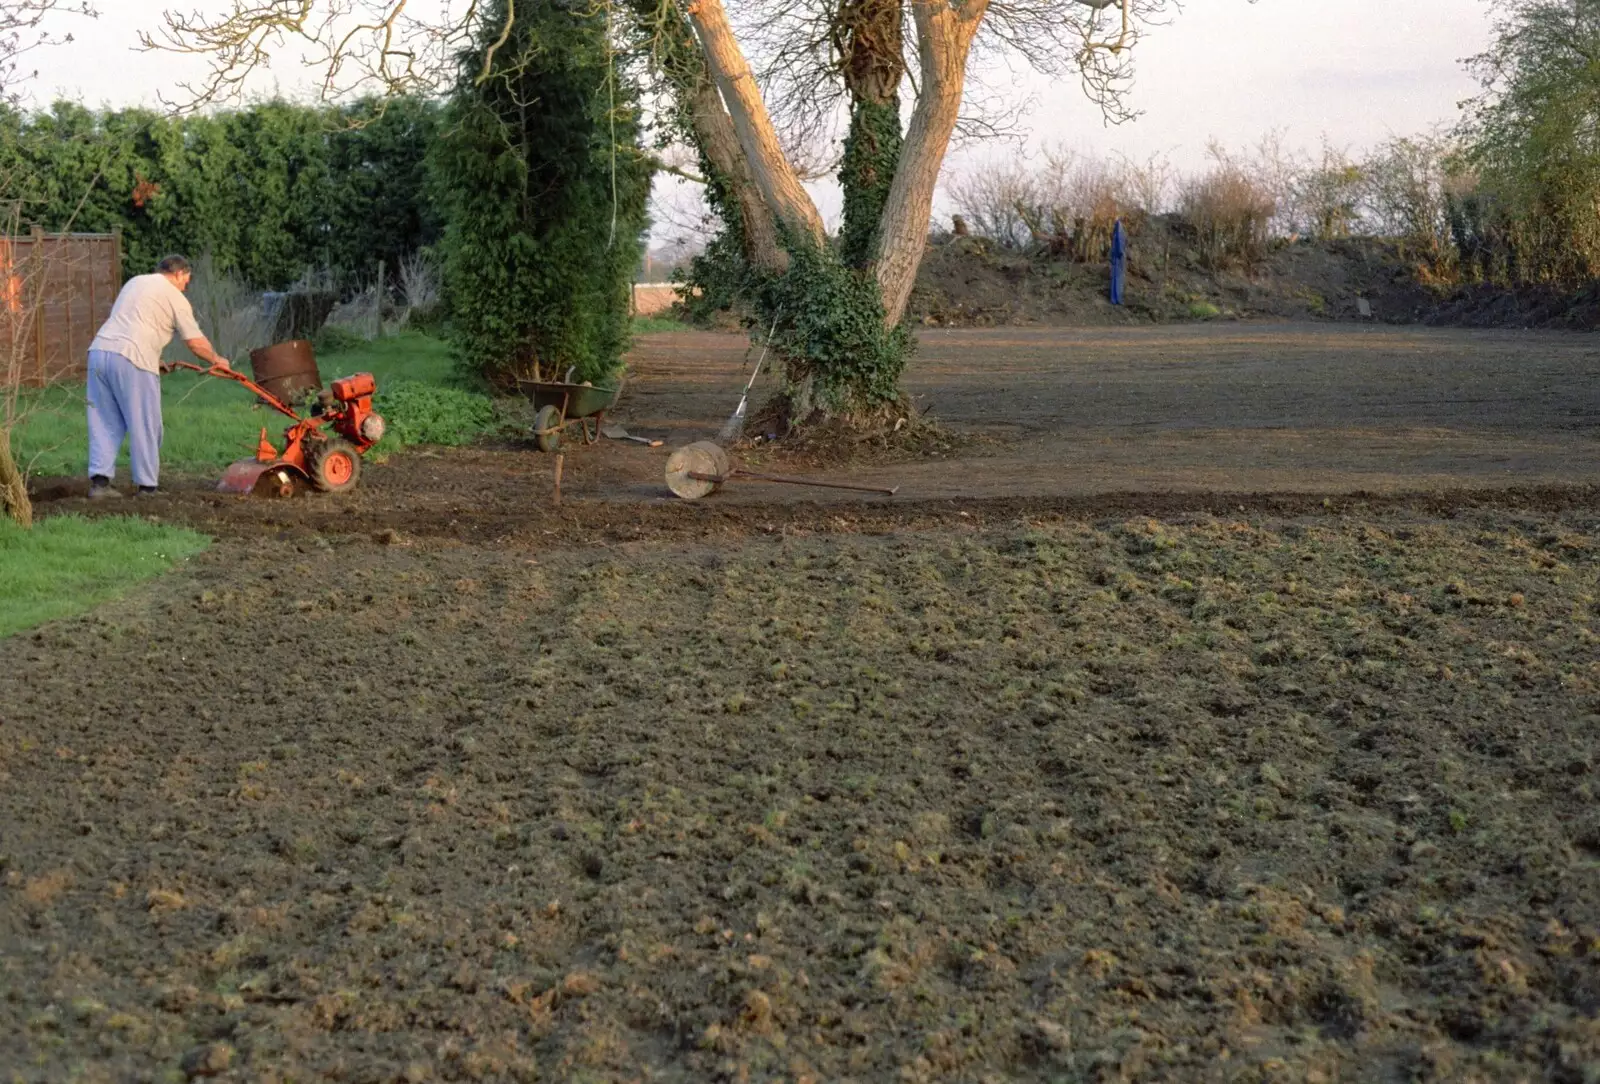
334, 339
1406, 195
419, 413
1231, 213
1067, 205
1327, 197
990, 199
1530, 139
421, 290
1076, 204
268, 191
230, 313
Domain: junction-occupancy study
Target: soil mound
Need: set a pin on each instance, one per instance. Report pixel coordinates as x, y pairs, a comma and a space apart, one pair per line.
972, 282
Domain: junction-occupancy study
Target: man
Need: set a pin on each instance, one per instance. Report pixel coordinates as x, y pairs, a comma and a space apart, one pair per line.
125, 374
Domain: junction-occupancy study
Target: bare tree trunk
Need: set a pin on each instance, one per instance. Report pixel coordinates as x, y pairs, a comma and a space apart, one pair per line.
682, 63
944, 40
18, 345
779, 185
719, 142
14, 499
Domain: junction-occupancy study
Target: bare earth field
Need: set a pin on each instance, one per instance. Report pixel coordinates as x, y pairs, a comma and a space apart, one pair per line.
1232, 714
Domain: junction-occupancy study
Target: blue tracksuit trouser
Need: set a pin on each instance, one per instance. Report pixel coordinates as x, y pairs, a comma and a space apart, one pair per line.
124, 401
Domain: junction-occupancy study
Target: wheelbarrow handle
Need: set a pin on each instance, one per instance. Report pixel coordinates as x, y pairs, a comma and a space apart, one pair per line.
787, 480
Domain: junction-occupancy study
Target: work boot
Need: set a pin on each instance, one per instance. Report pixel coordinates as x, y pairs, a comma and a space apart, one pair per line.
100, 489
148, 491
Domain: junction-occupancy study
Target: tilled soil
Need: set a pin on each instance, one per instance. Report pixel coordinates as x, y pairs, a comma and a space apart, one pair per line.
1207, 797
1234, 716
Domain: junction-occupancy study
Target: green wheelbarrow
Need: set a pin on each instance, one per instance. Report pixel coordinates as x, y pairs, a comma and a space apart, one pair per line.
558, 405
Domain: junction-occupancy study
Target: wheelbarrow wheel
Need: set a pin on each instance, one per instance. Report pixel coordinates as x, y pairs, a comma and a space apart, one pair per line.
336, 467
547, 425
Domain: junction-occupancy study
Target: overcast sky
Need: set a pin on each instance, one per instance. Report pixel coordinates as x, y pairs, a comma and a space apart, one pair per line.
1357, 71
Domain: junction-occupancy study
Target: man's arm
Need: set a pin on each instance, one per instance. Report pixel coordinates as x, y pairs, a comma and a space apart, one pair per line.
201, 348
184, 323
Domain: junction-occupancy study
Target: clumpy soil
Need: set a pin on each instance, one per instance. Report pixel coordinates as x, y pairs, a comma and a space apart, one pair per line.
1255, 795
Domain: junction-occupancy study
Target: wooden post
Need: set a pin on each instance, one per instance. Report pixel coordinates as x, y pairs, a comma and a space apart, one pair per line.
561, 460
116, 258
69, 295
94, 295
40, 284
377, 303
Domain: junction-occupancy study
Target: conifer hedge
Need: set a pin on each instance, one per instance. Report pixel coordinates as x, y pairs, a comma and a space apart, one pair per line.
544, 190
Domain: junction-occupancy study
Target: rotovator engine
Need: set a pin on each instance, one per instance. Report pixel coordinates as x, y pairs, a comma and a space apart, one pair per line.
323, 448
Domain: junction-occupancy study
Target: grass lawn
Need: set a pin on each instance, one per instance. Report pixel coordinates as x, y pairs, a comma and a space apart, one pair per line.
67, 564
210, 422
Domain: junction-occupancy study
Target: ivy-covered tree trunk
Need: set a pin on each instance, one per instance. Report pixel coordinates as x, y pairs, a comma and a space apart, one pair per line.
839, 355
872, 45
871, 152
843, 357
839, 326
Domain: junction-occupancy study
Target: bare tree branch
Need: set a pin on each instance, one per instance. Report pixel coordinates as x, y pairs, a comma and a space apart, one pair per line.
498, 43
24, 27
357, 46
1089, 40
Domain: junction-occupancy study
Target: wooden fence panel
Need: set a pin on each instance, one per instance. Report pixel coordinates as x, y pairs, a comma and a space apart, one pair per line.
58, 290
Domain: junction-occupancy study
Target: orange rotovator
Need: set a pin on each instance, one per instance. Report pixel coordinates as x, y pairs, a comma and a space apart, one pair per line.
323, 449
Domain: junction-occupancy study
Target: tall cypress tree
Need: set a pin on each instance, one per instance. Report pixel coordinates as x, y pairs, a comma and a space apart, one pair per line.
544, 188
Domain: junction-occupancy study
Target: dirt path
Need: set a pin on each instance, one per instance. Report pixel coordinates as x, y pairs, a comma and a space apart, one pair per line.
1232, 409
1237, 407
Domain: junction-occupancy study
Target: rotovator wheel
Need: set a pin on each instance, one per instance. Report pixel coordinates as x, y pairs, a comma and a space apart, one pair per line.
335, 466
278, 482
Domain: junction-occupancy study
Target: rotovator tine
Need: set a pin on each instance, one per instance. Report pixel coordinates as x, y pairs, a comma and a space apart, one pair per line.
324, 449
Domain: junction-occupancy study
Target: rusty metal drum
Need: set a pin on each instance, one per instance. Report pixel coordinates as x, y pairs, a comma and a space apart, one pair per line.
287, 369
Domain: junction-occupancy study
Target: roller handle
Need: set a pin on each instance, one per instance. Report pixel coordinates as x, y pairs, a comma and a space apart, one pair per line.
787, 480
